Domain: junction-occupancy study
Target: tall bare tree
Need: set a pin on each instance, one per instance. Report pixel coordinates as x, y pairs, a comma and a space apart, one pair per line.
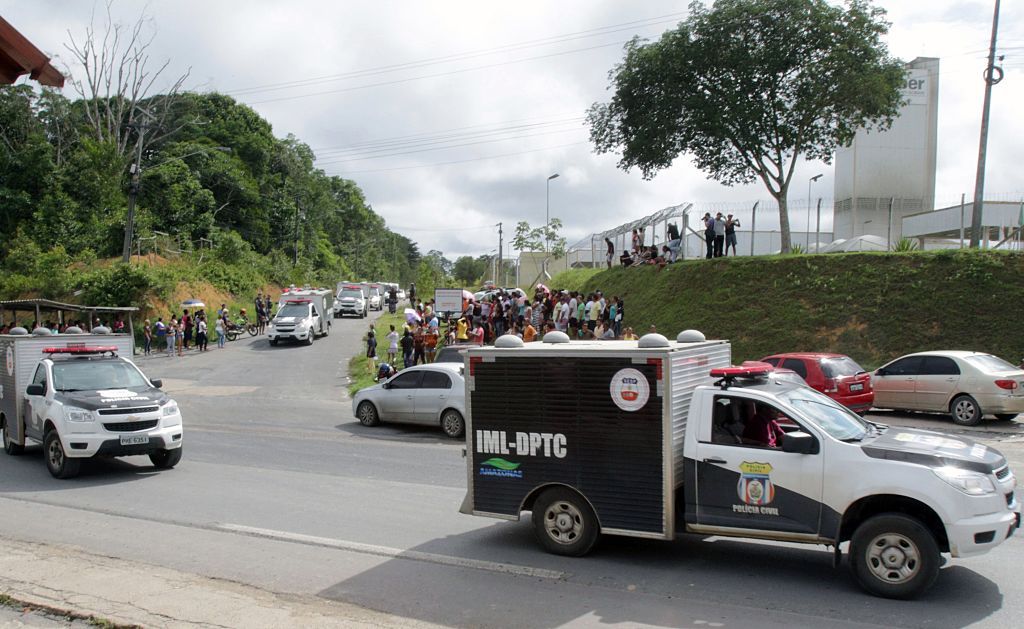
115, 81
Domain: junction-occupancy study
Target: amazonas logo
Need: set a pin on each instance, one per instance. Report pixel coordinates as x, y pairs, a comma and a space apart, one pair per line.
501, 468
755, 486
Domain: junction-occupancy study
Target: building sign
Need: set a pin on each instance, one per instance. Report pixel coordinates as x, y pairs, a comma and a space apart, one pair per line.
447, 300
915, 87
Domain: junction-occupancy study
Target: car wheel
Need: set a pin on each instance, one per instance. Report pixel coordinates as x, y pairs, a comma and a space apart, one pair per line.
1005, 417
367, 414
310, 336
452, 423
564, 522
60, 466
166, 459
894, 556
9, 446
965, 411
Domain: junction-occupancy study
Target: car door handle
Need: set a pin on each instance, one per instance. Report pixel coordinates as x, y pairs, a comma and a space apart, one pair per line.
716, 460
950, 379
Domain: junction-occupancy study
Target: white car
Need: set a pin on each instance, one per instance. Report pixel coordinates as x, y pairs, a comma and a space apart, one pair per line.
432, 395
401, 294
967, 385
376, 301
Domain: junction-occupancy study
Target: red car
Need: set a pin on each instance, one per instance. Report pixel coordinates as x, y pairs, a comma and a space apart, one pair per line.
835, 375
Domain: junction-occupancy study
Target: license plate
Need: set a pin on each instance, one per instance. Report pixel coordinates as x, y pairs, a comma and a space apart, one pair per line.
134, 440
856, 387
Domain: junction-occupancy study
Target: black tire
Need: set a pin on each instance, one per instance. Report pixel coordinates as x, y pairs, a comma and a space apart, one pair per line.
902, 542
1005, 417
367, 414
311, 336
60, 466
327, 332
232, 335
453, 424
166, 459
252, 330
965, 411
10, 447
564, 523
273, 342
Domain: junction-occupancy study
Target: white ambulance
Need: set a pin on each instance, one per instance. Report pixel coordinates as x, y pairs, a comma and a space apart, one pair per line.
302, 315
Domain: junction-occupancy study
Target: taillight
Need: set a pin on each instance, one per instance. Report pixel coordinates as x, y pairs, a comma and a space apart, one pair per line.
1009, 385
831, 385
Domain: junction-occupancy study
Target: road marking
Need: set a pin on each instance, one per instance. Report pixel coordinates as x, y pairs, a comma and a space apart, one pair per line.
397, 553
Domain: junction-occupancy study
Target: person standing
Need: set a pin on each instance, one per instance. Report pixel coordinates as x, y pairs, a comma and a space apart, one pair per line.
709, 234
610, 253
407, 345
419, 346
371, 350
201, 332
730, 234
392, 345
219, 328
267, 305
719, 235
172, 332
261, 313
430, 343
186, 324
147, 338
674, 243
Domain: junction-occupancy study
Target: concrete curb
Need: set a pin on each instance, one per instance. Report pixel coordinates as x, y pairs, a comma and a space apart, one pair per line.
67, 581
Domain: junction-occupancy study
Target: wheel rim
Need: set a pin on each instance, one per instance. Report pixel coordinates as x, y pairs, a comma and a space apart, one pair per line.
452, 424
563, 522
964, 410
55, 454
893, 558
366, 414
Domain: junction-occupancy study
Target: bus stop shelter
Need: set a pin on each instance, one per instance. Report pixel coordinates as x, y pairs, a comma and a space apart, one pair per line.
37, 307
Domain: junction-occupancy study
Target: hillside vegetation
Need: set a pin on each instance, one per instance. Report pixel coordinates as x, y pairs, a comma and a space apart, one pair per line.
871, 306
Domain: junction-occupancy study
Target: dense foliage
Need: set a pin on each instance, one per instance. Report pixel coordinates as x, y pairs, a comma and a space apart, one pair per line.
239, 206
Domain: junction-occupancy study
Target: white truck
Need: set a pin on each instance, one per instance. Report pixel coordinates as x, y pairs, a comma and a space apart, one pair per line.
302, 315
352, 299
653, 439
79, 397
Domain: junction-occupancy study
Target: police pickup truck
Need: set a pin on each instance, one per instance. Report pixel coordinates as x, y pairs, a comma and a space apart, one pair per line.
84, 400
653, 439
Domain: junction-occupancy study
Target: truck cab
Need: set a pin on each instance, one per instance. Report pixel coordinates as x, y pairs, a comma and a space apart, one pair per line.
351, 300
298, 318
663, 438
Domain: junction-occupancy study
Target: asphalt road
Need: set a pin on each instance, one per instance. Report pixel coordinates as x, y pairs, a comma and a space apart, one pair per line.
281, 488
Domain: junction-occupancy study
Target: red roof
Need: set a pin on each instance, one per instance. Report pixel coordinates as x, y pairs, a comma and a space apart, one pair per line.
18, 56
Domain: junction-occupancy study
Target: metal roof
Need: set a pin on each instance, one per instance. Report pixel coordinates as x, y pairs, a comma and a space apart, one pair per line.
31, 304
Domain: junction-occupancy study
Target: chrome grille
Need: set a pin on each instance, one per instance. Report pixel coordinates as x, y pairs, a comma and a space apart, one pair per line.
129, 411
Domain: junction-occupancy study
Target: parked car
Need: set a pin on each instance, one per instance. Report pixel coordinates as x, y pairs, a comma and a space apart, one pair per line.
450, 354
434, 395
967, 385
835, 375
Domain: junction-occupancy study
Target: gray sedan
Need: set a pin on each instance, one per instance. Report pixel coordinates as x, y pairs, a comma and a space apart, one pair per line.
432, 395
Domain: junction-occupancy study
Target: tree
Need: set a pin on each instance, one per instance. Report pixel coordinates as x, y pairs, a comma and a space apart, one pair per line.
748, 87
533, 239
468, 270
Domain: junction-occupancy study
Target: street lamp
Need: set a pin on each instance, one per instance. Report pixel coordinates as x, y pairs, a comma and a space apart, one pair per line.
809, 182
547, 212
133, 191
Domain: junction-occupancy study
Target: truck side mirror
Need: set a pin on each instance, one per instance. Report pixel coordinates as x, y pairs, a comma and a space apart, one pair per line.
35, 389
799, 442
159, 384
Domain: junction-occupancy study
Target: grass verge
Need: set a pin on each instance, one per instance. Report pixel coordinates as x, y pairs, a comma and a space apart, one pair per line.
358, 372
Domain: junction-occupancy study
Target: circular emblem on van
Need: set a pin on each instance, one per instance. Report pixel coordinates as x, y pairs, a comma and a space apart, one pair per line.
10, 360
629, 389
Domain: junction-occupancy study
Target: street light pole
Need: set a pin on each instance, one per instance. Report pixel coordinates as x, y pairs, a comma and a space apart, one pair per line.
547, 212
809, 182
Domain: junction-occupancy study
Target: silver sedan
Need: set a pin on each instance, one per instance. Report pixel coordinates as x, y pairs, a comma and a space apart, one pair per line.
433, 395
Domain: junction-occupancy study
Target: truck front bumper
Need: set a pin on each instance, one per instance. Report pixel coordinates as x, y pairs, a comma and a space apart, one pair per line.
980, 534
84, 445
295, 335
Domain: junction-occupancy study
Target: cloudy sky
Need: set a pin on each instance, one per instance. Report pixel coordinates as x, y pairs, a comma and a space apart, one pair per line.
451, 115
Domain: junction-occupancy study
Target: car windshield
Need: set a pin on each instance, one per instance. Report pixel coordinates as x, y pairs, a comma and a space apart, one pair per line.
293, 310
835, 419
90, 375
351, 293
990, 364
838, 367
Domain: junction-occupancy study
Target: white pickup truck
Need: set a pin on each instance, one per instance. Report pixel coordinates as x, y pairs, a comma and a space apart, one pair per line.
656, 438
80, 399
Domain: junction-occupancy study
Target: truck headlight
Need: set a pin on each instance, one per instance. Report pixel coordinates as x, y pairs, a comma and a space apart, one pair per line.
171, 408
73, 414
971, 483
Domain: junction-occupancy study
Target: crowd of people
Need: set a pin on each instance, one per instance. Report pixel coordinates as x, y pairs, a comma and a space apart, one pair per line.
719, 236
417, 342
191, 331
116, 326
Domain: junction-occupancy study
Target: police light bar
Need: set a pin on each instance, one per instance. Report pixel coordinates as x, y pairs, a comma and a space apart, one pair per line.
298, 301
749, 369
83, 349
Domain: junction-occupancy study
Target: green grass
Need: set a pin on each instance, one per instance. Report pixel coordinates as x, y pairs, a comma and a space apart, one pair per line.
870, 306
359, 376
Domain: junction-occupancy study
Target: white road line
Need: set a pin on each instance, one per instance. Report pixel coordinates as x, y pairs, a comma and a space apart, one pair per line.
398, 553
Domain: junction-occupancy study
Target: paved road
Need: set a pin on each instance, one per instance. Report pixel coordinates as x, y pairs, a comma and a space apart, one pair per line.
282, 489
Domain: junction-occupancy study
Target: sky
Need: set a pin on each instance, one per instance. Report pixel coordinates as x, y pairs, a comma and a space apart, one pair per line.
452, 115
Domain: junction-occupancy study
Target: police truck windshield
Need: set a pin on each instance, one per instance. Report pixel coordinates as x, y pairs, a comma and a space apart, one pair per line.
293, 310
835, 419
352, 293
88, 375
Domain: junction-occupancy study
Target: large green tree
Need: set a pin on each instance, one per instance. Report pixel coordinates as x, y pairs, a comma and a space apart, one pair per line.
748, 88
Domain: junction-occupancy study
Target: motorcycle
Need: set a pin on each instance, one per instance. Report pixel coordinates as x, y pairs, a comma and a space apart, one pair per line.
239, 325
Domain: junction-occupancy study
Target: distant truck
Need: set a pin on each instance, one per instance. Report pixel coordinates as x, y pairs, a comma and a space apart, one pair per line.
80, 397
302, 315
352, 299
653, 439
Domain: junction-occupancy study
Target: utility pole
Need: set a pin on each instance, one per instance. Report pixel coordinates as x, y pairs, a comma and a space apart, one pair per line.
501, 260
753, 227
295, 259
888, 237
993, 75
817, 230
133, 191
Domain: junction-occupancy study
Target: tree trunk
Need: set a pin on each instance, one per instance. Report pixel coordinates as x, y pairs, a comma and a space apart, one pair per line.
784, 219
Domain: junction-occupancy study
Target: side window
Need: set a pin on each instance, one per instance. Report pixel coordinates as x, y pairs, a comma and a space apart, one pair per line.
742, 422
910, 366
436, 380
409, 380
774, 362
939, 366
40, 376
796, 365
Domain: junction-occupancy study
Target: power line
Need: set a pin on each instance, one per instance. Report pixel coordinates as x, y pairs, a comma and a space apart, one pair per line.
461, 161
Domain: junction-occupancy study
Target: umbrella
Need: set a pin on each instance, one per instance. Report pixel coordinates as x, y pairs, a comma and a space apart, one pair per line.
468, 295
547, 291
411, 315
192, 303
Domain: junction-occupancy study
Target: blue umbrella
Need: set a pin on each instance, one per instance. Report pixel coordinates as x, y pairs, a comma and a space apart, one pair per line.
192, 303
